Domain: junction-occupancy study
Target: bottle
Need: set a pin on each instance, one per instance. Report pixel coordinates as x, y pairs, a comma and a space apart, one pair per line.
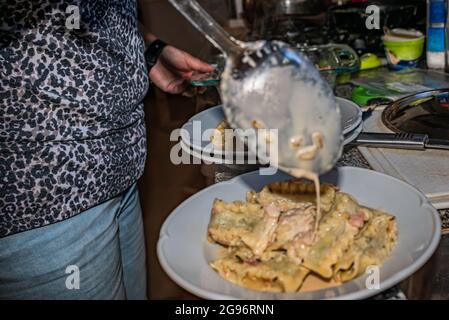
447, 36
436, 34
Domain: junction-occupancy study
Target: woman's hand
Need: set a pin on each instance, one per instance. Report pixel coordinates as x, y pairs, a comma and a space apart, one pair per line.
173, 69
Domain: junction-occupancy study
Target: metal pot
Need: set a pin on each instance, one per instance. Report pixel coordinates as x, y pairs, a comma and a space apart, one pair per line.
298, 7
260, 9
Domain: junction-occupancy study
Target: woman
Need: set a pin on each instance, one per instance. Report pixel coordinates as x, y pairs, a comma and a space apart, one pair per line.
72, 146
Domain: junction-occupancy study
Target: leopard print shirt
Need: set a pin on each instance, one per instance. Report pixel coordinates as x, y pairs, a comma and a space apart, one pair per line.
72, 131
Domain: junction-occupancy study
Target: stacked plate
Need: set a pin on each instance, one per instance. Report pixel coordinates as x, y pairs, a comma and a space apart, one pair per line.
195, 134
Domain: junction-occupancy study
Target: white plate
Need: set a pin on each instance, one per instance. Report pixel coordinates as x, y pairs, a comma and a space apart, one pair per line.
210, 118
351, 136
208, 158
228, 157
184, 252
351, 115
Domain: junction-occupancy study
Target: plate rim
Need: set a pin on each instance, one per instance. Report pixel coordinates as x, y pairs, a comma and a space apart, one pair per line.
353, 135
361, 294
359, 120
218, 152
206, 158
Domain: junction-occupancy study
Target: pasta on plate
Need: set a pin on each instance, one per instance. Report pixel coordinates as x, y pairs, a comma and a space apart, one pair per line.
272, 243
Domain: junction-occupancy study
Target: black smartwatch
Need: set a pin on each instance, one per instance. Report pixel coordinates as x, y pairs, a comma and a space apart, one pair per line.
153, 52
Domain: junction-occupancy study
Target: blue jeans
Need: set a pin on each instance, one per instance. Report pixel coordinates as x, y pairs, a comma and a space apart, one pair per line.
98, 254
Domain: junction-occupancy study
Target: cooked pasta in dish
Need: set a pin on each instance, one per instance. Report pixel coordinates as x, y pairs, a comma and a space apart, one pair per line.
273, 245
218, 136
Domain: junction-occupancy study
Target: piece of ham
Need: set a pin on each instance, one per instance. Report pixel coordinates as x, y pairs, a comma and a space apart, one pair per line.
294, 223
357, 219
252, 261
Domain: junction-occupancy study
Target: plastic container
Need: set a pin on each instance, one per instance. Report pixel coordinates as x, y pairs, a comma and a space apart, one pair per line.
332, 60
403, 48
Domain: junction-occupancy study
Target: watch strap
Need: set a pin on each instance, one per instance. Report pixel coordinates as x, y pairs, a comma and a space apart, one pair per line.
153, 52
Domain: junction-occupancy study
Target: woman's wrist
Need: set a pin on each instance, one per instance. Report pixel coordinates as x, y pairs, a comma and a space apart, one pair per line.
149, 38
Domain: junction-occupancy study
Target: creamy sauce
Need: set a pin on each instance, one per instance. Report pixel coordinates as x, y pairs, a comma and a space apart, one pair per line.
300, 173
